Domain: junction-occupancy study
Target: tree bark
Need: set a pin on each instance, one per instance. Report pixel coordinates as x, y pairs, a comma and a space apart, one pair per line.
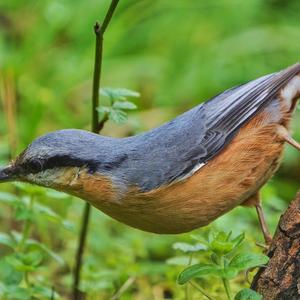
280, 279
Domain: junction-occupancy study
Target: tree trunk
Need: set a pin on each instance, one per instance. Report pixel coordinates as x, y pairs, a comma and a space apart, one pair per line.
280, 279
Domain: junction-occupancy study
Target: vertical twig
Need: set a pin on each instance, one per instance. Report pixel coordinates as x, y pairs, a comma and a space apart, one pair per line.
97, 76
99, 32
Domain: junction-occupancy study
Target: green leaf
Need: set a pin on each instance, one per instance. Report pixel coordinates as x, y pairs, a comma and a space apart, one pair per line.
247, 294
17, 293
8, 274
183, 260
68, 225
52, 215
43, 292
238, 240
40, 208
103, 109
8, 198
199, 270
103, 112
229, 235
200, 239
221, 247
25, 262
30, 189
222, 243
185, 247
118, 93
7, 240
17, 236
118, 116
245, 261
229, 272
124, 105
92, 287
33, 258
56, 195
219, 236
17, 263
24, 213
94, 280
37, 245
215, 258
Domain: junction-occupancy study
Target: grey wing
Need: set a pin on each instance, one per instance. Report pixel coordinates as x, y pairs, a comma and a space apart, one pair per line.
172, 151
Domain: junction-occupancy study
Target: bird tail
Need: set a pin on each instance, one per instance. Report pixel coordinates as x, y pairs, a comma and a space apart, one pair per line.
229, 111
235, 107
291, 91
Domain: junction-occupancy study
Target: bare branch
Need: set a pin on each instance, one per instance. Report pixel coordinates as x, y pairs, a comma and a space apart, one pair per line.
96, 127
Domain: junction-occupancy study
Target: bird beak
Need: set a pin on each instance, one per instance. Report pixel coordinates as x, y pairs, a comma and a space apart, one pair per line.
6, 174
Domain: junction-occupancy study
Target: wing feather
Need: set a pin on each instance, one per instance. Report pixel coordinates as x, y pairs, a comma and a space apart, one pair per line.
171, 152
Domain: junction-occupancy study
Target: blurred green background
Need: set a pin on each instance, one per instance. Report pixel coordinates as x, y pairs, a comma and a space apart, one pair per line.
176, 54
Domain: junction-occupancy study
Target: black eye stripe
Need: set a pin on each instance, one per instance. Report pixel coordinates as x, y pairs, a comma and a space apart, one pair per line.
37, 165
64, 161
33, 166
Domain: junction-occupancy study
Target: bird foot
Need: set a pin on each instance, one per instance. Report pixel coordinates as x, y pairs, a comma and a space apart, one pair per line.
263, 225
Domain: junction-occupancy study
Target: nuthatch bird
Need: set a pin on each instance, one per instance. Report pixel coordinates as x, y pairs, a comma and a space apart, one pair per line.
182, 175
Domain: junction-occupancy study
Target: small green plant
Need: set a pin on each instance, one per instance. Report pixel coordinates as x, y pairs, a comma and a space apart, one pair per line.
25, 255
95, 279
226, 261
119, 105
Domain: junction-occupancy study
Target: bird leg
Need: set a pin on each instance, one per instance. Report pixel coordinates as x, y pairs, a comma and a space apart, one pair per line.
263, 223
255, 201
283, 132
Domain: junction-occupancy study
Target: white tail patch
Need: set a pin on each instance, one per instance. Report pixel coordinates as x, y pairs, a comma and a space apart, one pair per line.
291, 91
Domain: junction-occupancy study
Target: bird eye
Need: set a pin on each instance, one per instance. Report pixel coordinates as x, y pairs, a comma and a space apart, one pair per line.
34, 166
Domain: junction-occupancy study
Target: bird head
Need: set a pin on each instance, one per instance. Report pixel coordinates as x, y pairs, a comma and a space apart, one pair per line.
53, 160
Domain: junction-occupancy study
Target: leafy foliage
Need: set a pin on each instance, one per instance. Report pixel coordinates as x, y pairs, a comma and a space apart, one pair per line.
186, 247
225, 263
119, 105
247, 294
26, 255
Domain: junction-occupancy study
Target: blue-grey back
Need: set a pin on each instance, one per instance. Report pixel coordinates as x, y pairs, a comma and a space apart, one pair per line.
170, 152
